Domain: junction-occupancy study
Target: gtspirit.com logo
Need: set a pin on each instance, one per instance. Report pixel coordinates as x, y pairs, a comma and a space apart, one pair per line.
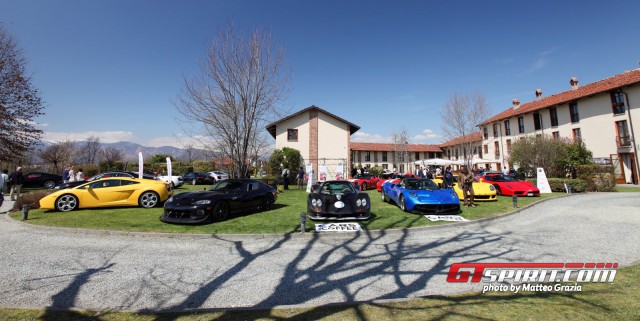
521, 275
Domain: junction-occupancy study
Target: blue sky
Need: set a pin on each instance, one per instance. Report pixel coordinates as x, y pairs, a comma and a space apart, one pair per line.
113, 68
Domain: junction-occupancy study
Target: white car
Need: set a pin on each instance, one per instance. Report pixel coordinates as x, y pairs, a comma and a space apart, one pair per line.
176, 181
218, 176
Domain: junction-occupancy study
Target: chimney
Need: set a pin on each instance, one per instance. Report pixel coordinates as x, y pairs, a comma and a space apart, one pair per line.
574, 82
516, 103
538, 93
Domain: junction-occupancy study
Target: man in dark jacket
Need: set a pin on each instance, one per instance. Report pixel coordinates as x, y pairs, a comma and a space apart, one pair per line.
16, 184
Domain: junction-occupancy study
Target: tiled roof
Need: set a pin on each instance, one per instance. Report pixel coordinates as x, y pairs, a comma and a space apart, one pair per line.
271, 128
466, 138
625, 79
381, 147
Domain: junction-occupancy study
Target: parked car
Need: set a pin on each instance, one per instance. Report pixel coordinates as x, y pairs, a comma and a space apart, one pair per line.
40, 179
482, 192
338, 200
195, 178
175, 181
218, 176
226, 197
108, 192
366, 181
505, 185
129, 174
421, 195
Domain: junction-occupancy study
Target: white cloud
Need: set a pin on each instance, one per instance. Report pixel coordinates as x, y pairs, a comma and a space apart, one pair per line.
105, 137
369, 138
427, 134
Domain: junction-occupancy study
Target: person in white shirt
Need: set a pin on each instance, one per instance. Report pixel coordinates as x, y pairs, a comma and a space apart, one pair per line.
80, 175
505, 171
72, 175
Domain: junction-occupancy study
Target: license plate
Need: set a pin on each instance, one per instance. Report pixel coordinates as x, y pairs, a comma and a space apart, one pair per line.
338, 204
529, 194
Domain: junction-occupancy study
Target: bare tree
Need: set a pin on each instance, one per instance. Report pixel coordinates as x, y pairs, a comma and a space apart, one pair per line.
111, 155
88, 153
460, 118
58, 155
241, 84
400, 149
20, 102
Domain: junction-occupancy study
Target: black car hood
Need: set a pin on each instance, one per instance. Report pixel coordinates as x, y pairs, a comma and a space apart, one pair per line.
201, 195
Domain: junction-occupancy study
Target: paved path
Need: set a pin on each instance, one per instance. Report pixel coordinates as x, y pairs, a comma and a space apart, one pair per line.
60, 270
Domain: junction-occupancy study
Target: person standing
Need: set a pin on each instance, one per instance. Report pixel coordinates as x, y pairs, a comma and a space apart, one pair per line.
447, 178
71, 174
285, 177
5, 181
80, 175
466, 178
505, 171
16, 183
65, 175
300, 177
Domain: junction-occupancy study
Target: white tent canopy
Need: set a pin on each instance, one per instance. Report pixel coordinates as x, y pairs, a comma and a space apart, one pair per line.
435, 161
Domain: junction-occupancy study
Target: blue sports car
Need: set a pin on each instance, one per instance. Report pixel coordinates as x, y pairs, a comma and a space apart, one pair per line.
421, 195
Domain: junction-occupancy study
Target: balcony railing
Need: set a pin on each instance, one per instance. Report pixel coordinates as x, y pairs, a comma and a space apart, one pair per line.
623, 141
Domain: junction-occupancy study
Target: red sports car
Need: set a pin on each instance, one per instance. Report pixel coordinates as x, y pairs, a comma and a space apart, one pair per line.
366, 181
508, 186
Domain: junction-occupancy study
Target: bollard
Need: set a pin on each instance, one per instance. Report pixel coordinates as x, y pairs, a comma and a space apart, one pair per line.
25, 212
303, 222
515, 201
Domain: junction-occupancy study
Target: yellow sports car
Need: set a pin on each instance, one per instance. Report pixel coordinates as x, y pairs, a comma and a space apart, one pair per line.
108, 192
481, 191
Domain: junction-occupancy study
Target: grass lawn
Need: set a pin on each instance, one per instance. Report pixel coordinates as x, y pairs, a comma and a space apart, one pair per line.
284, 218
628, 189
616, 301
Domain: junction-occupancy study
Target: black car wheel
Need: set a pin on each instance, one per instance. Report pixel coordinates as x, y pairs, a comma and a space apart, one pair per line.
267, 203
66, 203
49, 184
403, 205
384, 197
498, 191
364, 186
149, 199
220, 211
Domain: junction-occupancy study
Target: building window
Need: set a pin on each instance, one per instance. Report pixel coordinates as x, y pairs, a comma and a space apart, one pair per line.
292, 135
573, 110
555, 135
496, 146
537, 121
367, 156
521, 124
508, 145
449, 153
617, 103
623, 137
553, 114
385, 166
486, 149
507, 128
475, 150
417, 155
495, 130
486, 132
384, 156
457, 153
577, 134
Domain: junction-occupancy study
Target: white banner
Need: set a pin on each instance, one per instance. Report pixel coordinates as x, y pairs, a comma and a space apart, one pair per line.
310, 178
452, 218
140, 165
339, 172
169, 168
338, 227
323, 173
543, 183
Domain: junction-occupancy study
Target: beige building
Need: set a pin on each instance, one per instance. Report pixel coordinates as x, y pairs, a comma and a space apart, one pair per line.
321, 137
601, 113
467, 148
398, 157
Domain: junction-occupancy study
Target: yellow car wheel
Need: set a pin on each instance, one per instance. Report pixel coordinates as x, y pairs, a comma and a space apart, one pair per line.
149, 199
66, 203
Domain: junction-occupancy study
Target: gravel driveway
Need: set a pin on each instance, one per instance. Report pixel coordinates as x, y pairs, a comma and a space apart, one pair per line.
62, 269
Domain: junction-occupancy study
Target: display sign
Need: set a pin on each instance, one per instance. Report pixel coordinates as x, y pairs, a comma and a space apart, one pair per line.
323, 173
338, 227
310, 178
451, 218
339, 172
543, 183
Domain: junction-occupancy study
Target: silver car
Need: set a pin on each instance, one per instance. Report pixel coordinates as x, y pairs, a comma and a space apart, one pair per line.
218, 176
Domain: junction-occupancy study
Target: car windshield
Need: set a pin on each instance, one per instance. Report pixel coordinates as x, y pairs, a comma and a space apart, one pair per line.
500, 178
420, 184
227, 186
333, 188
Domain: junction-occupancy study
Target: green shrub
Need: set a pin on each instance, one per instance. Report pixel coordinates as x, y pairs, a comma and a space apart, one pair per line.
598, 178
31, 198
204, 166
557, 184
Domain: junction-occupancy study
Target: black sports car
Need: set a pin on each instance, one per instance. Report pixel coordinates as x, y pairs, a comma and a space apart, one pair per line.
104, 175
227, 197
338, 200
198, 178
40, 179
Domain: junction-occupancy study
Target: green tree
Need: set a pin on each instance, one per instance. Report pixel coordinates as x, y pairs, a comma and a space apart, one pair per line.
543, 151
285, 158
576, 154
160, 158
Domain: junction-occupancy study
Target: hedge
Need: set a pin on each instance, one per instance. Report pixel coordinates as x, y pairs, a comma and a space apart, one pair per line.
557, 184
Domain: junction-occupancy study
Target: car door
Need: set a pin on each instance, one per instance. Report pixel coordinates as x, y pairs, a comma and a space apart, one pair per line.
253, 195
103, 193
